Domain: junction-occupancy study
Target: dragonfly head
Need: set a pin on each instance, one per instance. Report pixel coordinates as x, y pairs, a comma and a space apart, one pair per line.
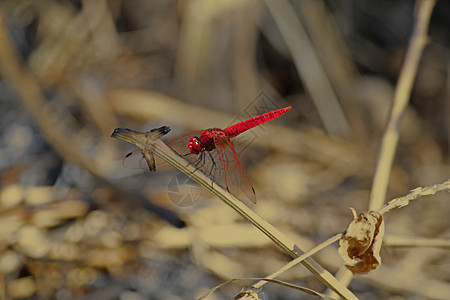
194, 145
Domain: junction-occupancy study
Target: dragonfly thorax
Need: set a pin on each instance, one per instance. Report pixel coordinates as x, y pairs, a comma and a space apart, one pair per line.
205, 142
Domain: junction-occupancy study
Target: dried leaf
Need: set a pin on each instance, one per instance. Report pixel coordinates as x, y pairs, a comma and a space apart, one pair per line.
361, 244
248, 294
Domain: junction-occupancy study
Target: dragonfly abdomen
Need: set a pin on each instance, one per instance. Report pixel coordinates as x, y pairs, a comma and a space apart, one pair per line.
243, 126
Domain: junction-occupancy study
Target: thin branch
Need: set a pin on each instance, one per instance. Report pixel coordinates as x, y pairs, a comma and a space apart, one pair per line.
309, 67
251, 293
414, 194
144, 142
391, 240
51, 124
298, 260
401, 98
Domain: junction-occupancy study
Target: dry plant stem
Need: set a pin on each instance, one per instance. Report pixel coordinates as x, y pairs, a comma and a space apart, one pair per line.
414, 194
447, 105
335, 57
401, 98
394, 203
298, 260
246, 295
163, 151
51, 125
245, 74
54, 126
345, 276
404, 241
309, 67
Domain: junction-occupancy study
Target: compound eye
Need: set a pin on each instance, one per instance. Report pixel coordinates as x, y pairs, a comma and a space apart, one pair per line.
194, 145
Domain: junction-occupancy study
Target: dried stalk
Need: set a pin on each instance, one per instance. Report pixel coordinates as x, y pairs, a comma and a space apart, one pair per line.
145, 143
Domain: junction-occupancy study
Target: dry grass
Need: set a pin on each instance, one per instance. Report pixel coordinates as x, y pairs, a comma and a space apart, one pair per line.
75, 223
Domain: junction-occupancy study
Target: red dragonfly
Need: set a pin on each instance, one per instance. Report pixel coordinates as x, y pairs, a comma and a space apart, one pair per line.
212, 152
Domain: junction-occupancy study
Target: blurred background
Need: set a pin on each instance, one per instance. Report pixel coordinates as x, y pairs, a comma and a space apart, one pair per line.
76, 224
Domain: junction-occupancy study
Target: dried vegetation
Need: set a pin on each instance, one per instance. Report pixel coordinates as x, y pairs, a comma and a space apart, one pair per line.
74, 223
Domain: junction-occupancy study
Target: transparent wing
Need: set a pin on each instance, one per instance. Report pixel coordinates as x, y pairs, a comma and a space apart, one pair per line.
221, 165
137, 160
180, 146
206, 162
234, 177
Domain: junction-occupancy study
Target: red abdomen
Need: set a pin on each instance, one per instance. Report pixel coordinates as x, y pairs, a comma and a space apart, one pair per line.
240, 127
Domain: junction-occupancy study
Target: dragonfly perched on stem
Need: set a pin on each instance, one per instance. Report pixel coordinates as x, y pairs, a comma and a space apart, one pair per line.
212, 152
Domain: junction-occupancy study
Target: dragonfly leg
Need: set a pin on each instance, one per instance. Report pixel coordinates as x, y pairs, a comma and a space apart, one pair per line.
200, 162
213, 167
213, 163
187, 154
